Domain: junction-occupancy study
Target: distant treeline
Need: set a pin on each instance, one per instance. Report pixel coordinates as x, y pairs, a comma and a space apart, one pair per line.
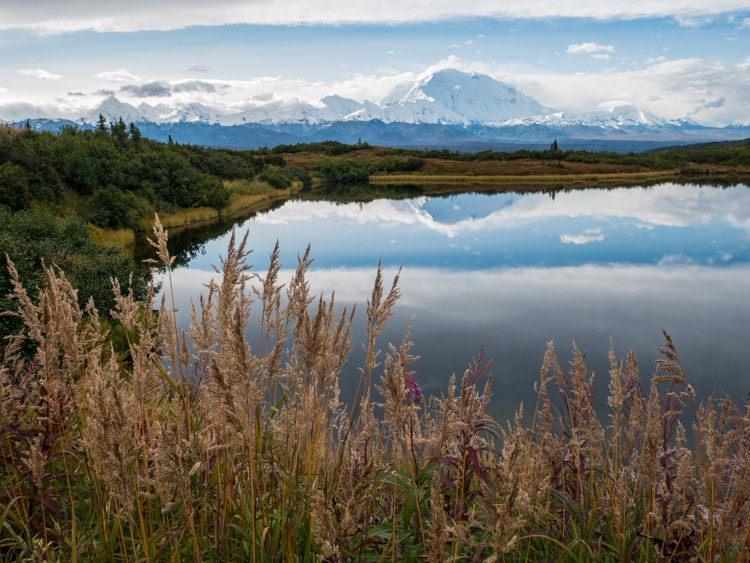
667, 158
330, 148
120, 174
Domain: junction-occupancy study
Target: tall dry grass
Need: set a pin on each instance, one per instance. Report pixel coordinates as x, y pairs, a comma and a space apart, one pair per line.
200, 445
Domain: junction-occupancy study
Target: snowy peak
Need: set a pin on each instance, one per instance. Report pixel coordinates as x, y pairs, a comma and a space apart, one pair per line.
113, 109
452, 96
193, 112
325, 110
615, 116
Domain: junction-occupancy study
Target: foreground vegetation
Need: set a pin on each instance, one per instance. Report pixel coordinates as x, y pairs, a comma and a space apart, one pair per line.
172, 446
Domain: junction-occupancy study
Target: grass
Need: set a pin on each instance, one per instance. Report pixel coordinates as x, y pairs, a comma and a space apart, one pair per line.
142, 442
121, 238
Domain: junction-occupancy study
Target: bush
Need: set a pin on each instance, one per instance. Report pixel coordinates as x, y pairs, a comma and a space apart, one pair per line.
298, 174
14, 186
341, 171
112, 208
398, 164
275, 179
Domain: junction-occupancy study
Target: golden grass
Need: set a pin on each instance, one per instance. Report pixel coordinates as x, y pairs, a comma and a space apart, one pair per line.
248, 187
121, 238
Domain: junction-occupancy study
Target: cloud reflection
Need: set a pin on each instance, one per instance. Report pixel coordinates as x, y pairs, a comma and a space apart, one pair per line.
669, 205
513, 312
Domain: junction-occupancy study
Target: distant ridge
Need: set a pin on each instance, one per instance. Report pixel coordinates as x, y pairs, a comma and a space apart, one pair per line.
445, 108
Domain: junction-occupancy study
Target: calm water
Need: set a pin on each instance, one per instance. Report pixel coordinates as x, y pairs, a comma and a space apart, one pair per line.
513, 271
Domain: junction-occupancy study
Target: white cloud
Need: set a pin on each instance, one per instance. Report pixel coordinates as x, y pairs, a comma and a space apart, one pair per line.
589, 235
691, 20
39, 73
602, 56
589, 48
117, 76
55, 16
671, 89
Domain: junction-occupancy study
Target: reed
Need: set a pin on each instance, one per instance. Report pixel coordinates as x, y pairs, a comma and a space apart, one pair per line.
199, 445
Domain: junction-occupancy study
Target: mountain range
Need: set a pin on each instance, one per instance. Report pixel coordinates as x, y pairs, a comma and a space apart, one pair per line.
447, 108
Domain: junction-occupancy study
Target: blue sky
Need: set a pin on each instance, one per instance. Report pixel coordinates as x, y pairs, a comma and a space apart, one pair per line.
675, 59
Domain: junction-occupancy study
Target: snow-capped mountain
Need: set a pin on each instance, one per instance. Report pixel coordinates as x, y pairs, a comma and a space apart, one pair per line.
618, 117
454, 97
326, 110
113, 109
443, 108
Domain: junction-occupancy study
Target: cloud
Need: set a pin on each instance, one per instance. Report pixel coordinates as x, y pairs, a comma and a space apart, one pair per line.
39, 73
672, 89
148, 90
716, 103
589, 235
194, 86
589, 48
117, 76
691, 20
104, 92
199, 68
57, 17
264, 97
76, 94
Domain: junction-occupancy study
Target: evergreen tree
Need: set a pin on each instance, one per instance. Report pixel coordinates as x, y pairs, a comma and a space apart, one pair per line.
102, 123
119, 132
135, 135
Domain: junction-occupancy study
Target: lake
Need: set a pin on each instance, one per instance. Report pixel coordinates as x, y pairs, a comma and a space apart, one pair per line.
512, 271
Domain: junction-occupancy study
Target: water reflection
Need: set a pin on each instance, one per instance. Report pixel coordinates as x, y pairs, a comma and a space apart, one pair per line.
513, 271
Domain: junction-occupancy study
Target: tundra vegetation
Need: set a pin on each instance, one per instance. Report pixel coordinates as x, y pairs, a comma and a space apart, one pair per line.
200, 445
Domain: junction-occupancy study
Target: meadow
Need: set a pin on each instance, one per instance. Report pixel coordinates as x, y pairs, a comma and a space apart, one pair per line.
130, 440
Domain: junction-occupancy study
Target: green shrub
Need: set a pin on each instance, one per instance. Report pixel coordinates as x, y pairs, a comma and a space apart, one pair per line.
14, 186
341, 171
275, 179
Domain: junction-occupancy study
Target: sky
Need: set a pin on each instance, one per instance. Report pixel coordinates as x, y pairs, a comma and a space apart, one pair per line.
673, 58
